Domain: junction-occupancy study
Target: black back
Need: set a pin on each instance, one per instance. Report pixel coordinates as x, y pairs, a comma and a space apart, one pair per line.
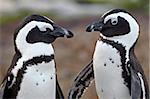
136, 88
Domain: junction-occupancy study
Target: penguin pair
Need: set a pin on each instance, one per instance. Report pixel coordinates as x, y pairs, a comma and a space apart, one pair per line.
114, 67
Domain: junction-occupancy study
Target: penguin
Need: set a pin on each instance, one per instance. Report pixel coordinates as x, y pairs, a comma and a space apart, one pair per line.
32, 74
114, 67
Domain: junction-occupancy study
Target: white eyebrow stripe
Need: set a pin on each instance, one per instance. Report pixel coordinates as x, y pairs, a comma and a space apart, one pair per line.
43, 25
112, 16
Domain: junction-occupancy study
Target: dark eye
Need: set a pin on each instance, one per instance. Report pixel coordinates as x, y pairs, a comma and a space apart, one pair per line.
114, 22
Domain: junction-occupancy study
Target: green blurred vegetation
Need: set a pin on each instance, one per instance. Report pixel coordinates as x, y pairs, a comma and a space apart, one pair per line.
8, 18
141, 5
128, 4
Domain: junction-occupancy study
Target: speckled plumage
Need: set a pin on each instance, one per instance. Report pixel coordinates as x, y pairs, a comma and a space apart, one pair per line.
32, 73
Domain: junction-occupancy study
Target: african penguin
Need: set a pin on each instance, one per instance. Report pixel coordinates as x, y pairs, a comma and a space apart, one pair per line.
117, 73
32, 74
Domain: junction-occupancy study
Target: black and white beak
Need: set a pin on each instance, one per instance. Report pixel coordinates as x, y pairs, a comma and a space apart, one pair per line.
96, 26
61, 32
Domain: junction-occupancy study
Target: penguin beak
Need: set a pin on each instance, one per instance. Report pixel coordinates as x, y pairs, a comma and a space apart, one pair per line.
96, 26
61, 32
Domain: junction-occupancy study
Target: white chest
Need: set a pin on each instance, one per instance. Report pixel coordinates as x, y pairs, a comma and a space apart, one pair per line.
39, 82
108, 73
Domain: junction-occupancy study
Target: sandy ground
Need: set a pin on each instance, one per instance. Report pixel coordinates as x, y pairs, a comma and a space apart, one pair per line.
73, 54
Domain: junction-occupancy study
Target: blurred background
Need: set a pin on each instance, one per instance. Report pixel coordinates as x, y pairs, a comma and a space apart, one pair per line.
71, 54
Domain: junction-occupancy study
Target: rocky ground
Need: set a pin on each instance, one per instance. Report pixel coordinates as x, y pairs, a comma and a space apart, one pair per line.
73, 54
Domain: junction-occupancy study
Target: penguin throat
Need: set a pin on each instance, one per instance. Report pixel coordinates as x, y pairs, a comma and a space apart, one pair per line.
23, 62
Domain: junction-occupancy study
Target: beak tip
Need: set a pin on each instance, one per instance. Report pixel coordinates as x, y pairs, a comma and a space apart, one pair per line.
70, 34
89, 28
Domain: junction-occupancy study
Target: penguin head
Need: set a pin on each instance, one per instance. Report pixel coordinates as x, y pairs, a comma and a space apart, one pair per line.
38, 29
117, 25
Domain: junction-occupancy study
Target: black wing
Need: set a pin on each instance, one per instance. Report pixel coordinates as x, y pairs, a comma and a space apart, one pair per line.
5, 83
82, 81
15, 59
1, 91
59, 93
139, 85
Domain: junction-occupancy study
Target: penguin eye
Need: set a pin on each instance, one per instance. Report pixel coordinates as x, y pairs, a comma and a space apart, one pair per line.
114, 21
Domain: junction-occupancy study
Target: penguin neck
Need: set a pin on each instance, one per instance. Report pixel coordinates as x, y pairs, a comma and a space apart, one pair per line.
37, 53
127, 41
37, 49
124, 50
